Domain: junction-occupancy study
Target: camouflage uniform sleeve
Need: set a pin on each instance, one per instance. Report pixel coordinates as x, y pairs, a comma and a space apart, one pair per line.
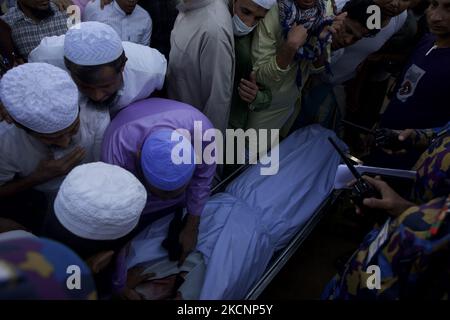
414, 263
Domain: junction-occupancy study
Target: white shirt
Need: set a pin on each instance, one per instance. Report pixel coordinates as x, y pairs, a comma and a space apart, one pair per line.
135, 27
145, 70
344, 68
22, 153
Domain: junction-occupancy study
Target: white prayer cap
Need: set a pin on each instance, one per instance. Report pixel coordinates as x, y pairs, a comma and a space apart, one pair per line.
50, 50
99, 201
266, 4
92, 43
41, 97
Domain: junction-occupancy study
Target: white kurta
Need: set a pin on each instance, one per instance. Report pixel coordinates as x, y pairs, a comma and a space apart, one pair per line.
135, 27
201, 63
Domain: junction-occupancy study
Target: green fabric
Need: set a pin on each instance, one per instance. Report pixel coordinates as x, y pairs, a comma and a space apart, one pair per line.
267, 40
239, 108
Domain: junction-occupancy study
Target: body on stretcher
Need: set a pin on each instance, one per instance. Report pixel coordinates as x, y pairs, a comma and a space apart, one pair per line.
256, 217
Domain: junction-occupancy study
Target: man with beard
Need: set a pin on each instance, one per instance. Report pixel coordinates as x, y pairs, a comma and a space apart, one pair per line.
33, 20
109, 73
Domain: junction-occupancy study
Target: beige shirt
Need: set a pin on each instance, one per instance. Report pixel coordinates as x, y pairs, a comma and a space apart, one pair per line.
201, 62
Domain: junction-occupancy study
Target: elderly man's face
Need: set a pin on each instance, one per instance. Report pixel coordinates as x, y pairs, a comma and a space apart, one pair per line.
127, 6
392, 8
351, 32
249, 12
40, 5
438, 17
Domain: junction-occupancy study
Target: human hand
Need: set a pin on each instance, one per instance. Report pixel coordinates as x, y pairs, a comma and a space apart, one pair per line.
248, 89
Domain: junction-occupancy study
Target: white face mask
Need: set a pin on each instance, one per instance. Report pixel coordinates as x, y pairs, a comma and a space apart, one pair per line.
240, 28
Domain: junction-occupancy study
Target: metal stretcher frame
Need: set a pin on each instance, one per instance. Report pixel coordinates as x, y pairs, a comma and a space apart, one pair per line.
282, 257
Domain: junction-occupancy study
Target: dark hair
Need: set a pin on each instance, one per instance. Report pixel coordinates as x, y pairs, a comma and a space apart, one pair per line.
357, 10
85, 248
88, 74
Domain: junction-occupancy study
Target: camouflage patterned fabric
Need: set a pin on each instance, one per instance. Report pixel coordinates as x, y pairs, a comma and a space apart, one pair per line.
433, 171
34, 268
414, 261
422, 138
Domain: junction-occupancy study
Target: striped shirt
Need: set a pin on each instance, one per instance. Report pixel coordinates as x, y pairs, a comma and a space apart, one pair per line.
27, 33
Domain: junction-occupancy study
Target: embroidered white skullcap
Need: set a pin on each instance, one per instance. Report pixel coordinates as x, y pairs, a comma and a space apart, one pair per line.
92, 43
99, 201
40, 96
266, 4
50, 50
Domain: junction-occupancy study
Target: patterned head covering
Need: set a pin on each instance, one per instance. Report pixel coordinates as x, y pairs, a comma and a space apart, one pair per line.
41, 269
315, 20
433, 171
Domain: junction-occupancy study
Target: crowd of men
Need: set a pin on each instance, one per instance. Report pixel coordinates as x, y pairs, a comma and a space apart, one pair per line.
88, 113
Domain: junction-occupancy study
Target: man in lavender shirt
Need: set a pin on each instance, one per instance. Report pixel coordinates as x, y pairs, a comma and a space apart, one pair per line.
139, 140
